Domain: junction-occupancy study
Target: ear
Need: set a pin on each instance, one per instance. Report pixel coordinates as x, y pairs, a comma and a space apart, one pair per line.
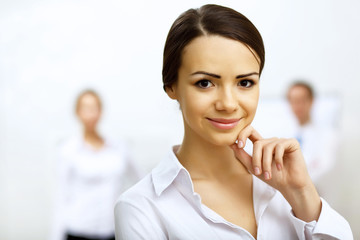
171, 92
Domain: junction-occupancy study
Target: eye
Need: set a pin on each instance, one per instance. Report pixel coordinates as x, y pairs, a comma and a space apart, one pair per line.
204, 83
246, 83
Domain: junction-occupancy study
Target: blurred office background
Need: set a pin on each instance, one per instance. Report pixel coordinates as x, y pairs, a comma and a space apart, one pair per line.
51, 50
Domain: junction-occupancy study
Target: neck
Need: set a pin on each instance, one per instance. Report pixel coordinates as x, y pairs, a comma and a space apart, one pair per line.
305, 121
92, 137
205, 160
90, 133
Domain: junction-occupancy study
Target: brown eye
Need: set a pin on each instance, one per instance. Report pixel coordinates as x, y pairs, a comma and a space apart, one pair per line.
204, 84
246, 83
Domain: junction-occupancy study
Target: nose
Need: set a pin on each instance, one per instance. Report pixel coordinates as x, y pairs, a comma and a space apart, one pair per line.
226, 100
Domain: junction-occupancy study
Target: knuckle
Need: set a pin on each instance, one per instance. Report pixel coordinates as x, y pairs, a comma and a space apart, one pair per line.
279, 146
294, 142
257, 144
278, 158
268, 148
275, 139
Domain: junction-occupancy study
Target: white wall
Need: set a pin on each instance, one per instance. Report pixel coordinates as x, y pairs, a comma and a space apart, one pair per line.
50, 50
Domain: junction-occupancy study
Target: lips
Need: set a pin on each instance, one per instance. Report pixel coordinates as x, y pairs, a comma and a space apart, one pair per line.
224, 123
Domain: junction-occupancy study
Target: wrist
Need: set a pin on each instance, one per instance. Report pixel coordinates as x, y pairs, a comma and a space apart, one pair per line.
305, 202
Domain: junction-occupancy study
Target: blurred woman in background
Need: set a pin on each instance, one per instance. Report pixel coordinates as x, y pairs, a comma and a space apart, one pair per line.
91, 174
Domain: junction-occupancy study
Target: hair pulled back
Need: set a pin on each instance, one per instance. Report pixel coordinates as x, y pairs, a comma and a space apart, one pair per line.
207, 20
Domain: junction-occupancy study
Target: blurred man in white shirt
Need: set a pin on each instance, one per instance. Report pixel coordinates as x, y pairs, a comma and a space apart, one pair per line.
317, 142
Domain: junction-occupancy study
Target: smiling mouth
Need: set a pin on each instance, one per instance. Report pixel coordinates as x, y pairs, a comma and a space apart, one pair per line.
224, 123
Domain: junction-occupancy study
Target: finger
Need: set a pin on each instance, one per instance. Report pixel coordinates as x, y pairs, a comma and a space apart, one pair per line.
279, 156
258, 151
282, 147
243, 157
247, 132
257, 157
291, 145
267, 158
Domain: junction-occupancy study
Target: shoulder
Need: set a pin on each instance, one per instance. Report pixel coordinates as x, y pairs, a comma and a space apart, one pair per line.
114, 141
135, 213
147, 193
135, 195
69, 145
116, 144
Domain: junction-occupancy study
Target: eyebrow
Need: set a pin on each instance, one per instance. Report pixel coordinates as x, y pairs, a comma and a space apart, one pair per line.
246, 75
218, 76
206, 73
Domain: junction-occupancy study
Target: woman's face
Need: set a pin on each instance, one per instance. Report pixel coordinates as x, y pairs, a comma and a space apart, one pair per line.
217, 88
89, 111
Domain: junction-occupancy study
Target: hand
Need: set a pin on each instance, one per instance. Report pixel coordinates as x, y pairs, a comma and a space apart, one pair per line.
280, 163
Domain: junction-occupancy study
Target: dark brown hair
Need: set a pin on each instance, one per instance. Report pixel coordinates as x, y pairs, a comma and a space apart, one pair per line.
87, 92
207, 20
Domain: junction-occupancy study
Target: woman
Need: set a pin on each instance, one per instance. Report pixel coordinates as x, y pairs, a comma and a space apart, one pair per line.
209, 187
92, 171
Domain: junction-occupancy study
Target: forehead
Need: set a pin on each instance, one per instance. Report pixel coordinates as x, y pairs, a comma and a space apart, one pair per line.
299, 91
218, 54
88, 99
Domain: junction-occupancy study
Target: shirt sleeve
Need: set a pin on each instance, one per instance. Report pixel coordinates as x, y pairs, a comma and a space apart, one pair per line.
330, 225
133, 223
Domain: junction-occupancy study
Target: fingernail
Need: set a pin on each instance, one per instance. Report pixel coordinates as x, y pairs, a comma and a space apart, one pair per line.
257, 171
240, 144
278, 166
267, 175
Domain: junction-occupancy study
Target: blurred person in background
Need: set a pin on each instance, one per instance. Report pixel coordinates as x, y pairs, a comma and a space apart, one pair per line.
92, 171
317, 141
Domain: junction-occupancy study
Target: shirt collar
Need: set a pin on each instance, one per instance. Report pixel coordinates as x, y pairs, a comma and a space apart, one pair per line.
85, 146
167, 171
170, 171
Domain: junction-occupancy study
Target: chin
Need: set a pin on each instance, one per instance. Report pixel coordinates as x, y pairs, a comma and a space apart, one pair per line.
223, 140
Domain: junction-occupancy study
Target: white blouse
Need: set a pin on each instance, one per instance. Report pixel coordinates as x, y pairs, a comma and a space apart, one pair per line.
89, 181
164, 205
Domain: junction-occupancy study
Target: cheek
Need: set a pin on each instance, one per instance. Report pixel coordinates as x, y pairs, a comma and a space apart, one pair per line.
194, 104
250, 114
89, 115
249, 104
308, 106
